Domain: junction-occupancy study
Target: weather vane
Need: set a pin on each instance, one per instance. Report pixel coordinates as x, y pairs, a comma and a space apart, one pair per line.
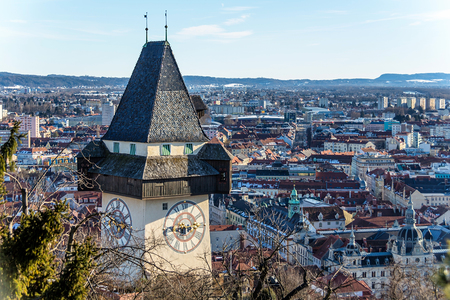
166, 26
146, 27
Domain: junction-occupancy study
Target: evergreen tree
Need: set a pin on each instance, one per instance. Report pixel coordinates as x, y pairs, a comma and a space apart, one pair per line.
29, 265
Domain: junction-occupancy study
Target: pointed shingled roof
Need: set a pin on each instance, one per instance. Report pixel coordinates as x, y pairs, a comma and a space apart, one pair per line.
156, 106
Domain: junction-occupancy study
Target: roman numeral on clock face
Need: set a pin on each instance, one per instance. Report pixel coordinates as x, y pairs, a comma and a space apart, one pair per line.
177, 245
170, 238
198, 235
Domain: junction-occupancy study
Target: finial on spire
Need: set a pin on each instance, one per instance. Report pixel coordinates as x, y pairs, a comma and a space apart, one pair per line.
166, 26
146, 27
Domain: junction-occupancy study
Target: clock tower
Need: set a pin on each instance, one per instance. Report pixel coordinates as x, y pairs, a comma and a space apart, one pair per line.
293, 204
155, 166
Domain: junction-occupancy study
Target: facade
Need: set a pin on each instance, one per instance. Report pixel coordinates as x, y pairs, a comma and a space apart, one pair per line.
346, 146
108, 111
155, 167
370, 161
401, 102
29, 123
441, 103
5, 134
423, 103
383, 102
323, 102
431, 103
411, 102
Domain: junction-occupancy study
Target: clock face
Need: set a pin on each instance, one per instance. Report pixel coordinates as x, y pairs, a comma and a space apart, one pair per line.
118, 221
184, 226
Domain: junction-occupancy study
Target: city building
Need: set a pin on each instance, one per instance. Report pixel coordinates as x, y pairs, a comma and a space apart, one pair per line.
411, 102
423, 103
441, 103
108, 111
431, 103
30, 123
383, 102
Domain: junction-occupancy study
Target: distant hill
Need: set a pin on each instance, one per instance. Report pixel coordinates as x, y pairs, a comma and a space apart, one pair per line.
385, 80
10, 79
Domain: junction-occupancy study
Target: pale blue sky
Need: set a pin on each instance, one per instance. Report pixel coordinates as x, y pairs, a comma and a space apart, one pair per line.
277, 39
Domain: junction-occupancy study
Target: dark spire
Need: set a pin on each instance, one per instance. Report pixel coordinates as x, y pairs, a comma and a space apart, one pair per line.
166, 27
155, 106
146, 28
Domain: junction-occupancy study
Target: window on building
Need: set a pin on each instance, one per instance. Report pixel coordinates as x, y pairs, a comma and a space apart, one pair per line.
133, 149
374, 274
165, 149
320, 224
383, 274
364, 275
328, 223
188, 149
116, 147
164, 205
373, 285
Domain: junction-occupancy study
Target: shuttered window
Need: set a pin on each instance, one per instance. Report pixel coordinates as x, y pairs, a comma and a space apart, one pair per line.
188, 149
116, 148
133, 149
165, 150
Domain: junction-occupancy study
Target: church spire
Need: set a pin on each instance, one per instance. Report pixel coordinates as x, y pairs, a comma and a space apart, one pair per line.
410, 213
352, 237
293, 204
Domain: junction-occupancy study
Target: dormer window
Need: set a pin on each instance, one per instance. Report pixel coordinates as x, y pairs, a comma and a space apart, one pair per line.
188, 149
165, 149
116, 147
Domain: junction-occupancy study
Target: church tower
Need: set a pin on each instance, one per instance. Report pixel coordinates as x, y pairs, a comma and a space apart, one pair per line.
155, 166
293, 204
410, 245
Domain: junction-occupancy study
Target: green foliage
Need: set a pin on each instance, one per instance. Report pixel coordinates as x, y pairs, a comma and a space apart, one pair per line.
30, 267
443, 275
26, 263
6, 152
72, 282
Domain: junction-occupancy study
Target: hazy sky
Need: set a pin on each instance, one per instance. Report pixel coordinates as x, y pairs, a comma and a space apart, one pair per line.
277, 39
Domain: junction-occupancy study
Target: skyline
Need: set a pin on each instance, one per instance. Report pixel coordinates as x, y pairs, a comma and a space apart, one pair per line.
302, 40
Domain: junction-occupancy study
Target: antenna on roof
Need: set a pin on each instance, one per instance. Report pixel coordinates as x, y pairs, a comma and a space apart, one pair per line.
146, 27
166, 26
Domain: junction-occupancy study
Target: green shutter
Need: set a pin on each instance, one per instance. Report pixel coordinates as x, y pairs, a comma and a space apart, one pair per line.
116, 147
165, 150
133, 149
188, 149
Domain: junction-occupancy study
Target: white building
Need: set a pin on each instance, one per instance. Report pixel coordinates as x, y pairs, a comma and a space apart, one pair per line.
108, 111
441, 104
29, 123
383, 102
